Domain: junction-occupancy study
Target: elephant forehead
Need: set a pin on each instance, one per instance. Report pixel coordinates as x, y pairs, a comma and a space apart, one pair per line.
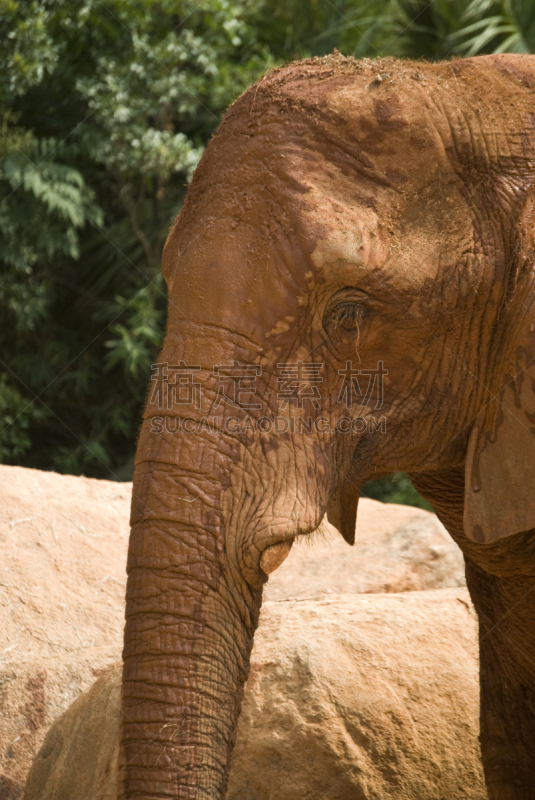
237, 279
281, 201
404, 244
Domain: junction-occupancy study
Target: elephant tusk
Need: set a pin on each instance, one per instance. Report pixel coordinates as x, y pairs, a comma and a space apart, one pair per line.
273, 556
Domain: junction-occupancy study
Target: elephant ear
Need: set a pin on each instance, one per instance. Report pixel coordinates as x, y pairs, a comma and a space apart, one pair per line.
499, 495
499, 481
342, 511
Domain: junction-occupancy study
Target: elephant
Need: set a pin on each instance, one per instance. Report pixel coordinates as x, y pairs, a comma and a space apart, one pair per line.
351, 293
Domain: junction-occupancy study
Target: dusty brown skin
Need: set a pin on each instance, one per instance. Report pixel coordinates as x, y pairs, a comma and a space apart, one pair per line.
364, 211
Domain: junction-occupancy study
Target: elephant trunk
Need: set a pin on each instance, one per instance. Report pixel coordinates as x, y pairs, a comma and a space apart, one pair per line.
188, 636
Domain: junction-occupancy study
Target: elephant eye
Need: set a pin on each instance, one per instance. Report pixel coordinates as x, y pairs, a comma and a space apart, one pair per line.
345, 313
347, 316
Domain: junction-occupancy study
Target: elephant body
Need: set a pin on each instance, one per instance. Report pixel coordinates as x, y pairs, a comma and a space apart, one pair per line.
350, 294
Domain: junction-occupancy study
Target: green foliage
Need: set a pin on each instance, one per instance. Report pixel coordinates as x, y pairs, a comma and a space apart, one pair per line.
444, 28
105, 109
297, 29
395, 488
507, 26
15, 439
425, 30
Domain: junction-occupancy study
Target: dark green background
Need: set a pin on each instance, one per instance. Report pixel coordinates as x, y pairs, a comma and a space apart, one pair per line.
105, 109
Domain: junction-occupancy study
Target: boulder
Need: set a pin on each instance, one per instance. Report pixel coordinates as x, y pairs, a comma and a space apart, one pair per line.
397, 549
63, 543
356, 696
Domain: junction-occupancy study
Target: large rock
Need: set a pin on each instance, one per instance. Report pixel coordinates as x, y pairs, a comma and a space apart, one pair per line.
397, 549
368, 697
63, 543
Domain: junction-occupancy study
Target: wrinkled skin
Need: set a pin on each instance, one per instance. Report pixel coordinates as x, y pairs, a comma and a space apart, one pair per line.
372, 211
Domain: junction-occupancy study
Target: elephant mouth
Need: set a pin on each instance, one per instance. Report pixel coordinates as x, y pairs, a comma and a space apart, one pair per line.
274, 555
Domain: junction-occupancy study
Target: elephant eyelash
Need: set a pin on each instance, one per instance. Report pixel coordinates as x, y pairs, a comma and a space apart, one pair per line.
347, 316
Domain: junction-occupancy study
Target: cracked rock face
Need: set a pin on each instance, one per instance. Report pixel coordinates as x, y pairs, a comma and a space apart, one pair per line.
63, 543
397, 549
348, 697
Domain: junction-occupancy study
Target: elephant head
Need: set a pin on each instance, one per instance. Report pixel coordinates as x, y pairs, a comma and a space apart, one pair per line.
350, 294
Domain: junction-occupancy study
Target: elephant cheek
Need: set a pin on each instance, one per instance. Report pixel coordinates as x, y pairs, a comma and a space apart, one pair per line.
273, 556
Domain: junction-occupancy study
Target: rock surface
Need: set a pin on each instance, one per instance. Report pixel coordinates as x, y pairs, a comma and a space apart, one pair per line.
63, 543
349, 698
397, 549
